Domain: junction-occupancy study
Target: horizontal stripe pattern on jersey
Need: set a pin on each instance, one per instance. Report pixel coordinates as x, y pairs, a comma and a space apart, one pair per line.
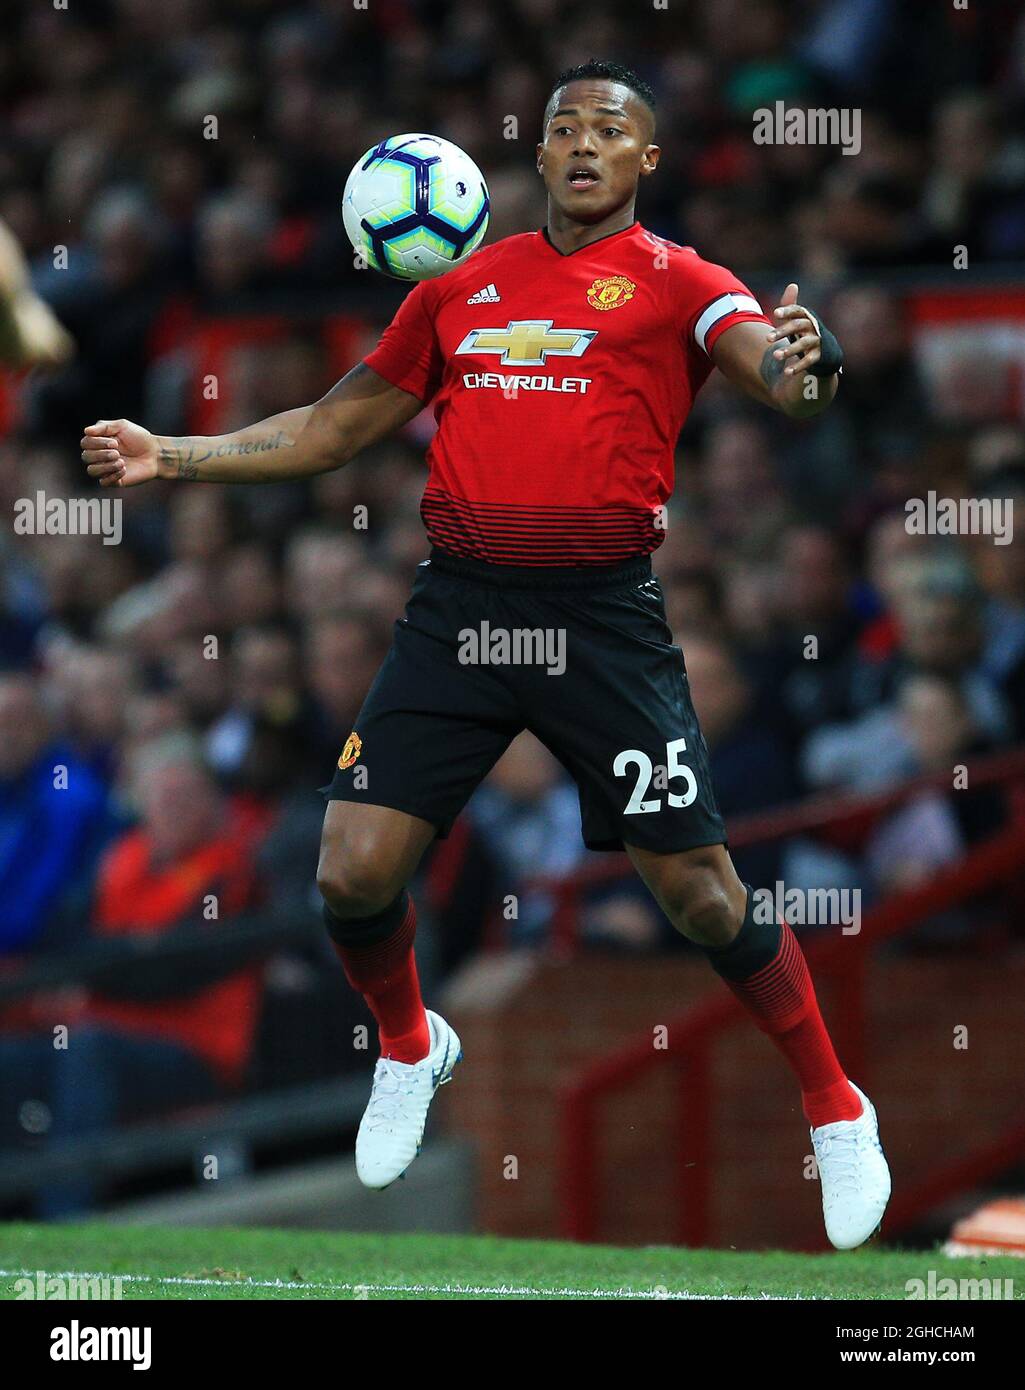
505, 534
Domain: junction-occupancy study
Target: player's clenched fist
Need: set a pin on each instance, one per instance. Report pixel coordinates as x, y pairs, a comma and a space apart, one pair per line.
119, 454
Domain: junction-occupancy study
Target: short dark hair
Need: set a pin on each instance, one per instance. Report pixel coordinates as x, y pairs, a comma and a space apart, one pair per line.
611, 72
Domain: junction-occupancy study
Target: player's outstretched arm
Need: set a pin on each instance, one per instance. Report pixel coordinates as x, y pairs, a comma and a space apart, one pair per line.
30, 335
795, 368
358, 411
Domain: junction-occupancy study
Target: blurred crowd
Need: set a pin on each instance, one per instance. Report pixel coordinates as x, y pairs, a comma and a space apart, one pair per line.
193, 685
194, 151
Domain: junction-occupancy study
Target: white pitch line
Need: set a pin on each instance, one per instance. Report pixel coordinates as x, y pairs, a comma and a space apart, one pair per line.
507, 1290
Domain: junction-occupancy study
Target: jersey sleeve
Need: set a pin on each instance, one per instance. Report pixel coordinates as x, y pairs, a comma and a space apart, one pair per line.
408, 354
710, 300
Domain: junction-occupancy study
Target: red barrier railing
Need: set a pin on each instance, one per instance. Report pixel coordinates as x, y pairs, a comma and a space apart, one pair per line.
844, 960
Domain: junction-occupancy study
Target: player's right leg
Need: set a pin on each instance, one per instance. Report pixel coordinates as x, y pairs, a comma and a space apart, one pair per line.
429, 730
368, 854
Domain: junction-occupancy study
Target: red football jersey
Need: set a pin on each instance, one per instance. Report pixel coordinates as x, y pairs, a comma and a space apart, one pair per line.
560, 385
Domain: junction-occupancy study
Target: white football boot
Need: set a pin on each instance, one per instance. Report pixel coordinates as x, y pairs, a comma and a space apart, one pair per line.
854, 1176
392, 1126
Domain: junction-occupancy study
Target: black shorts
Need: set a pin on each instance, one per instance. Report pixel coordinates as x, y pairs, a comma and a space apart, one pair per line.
583, 659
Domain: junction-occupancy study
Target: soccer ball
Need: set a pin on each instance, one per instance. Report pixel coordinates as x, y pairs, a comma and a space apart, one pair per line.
415, 206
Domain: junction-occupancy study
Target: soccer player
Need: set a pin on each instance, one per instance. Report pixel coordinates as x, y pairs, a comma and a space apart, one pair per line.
561, 364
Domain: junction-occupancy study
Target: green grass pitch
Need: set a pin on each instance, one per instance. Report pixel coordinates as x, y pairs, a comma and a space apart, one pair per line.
157, 1262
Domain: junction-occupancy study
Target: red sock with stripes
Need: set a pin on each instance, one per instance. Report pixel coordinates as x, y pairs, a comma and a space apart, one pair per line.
765, 968
385, 974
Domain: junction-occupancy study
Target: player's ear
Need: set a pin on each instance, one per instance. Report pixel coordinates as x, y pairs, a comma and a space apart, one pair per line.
649, 159
540, 159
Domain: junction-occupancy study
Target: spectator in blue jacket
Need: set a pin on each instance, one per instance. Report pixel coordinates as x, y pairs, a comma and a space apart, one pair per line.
53, 821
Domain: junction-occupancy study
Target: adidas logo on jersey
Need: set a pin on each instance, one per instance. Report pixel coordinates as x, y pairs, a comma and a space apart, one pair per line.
488, 295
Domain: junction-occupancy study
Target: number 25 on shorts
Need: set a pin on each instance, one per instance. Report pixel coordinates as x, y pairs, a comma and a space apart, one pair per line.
633, 757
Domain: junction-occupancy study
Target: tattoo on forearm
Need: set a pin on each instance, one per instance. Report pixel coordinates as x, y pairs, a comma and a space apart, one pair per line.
185, 454
180, 454
353, 377
771, 369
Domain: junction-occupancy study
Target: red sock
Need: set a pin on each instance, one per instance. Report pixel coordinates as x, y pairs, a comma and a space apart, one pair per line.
781, 998
385, 975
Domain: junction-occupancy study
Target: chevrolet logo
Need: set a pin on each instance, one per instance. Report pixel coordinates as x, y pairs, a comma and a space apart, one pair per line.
528, 342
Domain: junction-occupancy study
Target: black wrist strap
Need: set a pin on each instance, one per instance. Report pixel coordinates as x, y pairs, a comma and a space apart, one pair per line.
830, 354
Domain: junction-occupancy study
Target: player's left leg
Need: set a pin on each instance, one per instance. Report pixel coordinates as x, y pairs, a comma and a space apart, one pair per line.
763, 964
620, 717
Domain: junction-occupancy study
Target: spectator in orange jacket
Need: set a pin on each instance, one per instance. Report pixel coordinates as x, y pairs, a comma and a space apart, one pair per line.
171, 1036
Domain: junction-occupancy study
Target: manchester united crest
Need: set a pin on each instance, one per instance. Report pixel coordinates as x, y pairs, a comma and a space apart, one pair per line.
610, 292
351, 751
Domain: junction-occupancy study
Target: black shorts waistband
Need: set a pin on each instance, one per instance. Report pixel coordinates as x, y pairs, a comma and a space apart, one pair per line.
544, 577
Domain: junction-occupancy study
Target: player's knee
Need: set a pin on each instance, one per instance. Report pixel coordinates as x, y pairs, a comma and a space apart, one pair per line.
699, 906
357, 884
